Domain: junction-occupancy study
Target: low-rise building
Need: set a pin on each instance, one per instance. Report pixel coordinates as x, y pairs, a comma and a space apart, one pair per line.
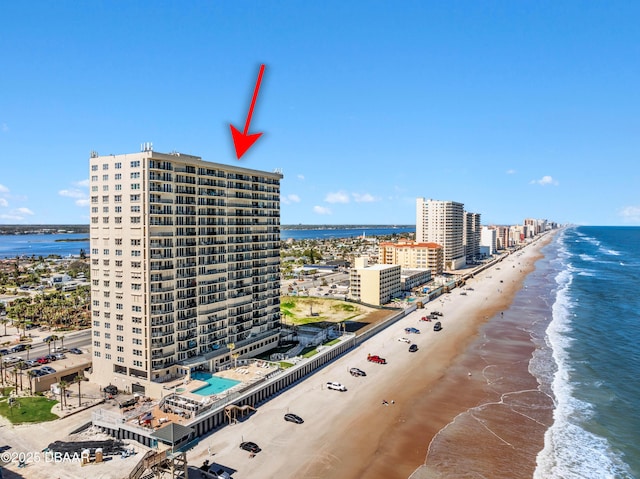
376, 284
412, 278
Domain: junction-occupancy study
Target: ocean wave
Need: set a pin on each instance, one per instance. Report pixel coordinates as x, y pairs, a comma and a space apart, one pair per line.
570, 451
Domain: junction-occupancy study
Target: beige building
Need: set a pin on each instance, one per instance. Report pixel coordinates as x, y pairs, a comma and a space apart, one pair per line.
376, 284
184, 266
472, 233
442, 222
414, 255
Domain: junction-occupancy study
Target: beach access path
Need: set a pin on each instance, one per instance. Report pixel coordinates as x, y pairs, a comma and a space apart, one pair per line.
352, 434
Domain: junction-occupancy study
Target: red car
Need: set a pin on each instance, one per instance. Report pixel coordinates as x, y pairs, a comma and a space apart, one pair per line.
42, 360
376, 359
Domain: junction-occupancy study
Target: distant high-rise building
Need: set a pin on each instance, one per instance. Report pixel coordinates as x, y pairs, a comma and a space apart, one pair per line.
185, 258
472, 231
442, 222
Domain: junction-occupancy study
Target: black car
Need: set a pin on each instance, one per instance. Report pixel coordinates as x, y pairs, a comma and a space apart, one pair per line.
357, 372
75, 351
437, 326
111, 389
293, 418
250, 446
413, 348
4, 352
18, 347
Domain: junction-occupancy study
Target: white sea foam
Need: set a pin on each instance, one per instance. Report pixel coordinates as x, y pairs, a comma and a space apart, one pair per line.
570, 451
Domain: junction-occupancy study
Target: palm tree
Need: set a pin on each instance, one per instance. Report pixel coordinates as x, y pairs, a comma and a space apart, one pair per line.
49, 340
78, 379
20, 367
4, 321
27, 347
30, 375
63, 388
61, 342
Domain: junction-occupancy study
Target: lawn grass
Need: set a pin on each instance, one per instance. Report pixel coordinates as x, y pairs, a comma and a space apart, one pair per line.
30, 409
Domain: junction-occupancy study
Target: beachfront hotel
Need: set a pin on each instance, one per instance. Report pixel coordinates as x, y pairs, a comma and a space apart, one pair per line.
375, 284
472, 235
185, 258
442, 222
412, 255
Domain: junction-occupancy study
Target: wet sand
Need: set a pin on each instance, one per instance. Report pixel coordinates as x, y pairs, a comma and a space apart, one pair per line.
353, 435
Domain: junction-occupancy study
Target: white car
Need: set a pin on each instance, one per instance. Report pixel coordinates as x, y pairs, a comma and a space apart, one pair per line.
336, 386
404, 340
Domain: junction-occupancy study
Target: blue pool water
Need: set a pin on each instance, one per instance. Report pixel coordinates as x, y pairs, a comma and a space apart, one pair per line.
216, 384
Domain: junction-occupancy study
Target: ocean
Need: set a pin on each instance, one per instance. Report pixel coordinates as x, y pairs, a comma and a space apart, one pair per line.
558, 394
46, 244
592, 359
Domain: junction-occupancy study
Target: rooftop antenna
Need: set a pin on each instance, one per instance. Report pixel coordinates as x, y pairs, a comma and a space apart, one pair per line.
94, 154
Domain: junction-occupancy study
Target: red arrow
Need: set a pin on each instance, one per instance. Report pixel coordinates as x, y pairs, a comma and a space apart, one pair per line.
243, 141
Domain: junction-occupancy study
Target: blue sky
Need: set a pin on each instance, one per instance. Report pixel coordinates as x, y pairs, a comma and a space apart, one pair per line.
516, 109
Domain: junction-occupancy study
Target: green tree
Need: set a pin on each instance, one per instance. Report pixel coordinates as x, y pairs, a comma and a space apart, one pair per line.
63, 389
78, 379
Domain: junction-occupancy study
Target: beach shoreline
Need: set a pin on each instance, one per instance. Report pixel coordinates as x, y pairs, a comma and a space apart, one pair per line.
352, 434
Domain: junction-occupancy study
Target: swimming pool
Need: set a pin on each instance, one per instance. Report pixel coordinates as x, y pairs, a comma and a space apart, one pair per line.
216, 384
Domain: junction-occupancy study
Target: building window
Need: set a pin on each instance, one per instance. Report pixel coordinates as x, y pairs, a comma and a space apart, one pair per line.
135, 197
105, 177
135, 164
118, 176
105, 166
135, 219
120, 359
135, 186
117, 198
94, 167
105, 199
135, 209
118, 166
120, 338
135, 174
105, 187
119, 327
94, 178
135, 242
118, 187
135, 252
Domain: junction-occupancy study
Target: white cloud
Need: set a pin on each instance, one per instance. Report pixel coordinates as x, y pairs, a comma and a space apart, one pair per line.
72, 193
301, 177
544, 181
4, 189
17, 214
337, 197
321, 210
81, 197
4, 203
11, 217
511, 172
363, 198
630, 214
23, 211
292, 198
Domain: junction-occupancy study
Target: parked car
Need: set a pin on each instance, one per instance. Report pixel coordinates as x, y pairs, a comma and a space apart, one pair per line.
293, 418
376, 359
47, 339
37, 372
436, 313
48, 370
437, 326
43, 360
357, 372
111, 389
18, 348
11, 359
250, 446
413, 348
60, 356
31, 363
51, 357
412, 330
426, 318
4, 352
336, 386
75, 351
404, 340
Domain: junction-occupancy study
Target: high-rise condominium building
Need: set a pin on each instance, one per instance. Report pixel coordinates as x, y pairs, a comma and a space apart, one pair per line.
442, 222
185, 258
472, 233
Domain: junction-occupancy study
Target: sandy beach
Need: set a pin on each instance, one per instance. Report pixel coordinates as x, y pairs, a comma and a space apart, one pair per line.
352, 434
